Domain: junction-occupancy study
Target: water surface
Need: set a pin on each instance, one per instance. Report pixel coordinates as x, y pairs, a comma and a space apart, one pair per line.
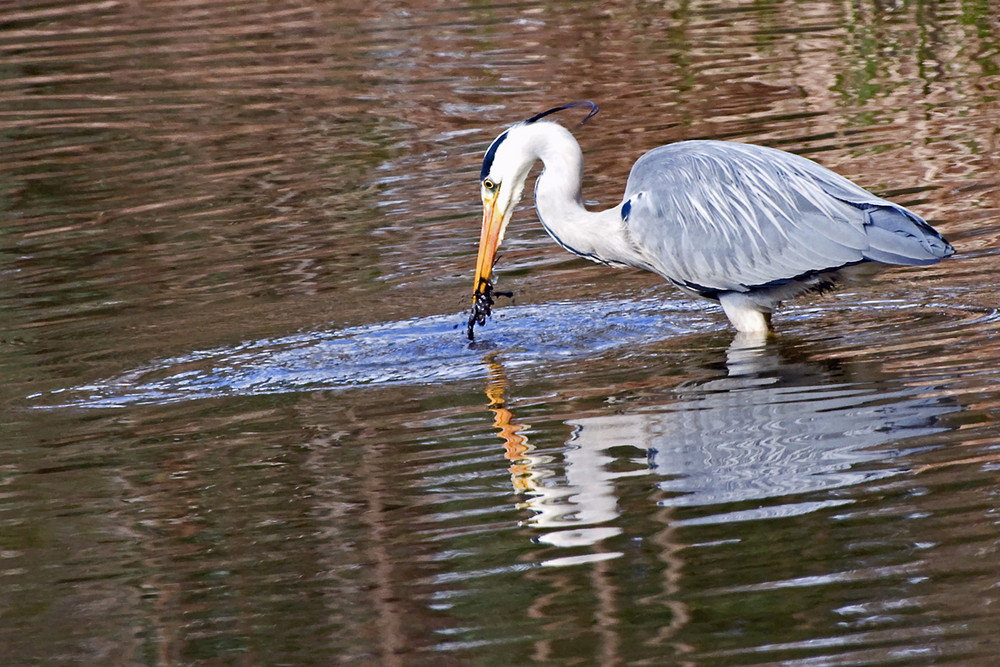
242, 424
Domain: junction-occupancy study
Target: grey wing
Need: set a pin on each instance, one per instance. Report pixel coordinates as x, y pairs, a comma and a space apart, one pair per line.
720, 216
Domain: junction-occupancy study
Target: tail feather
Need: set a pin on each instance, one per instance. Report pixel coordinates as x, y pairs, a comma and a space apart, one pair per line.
897, 236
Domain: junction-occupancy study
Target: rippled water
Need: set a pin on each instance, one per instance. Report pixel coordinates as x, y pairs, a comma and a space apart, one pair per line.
242, 424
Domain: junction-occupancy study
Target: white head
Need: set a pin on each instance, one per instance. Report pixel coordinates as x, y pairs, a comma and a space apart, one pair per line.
505, 169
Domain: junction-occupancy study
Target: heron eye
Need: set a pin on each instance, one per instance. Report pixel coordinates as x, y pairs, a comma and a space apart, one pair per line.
489, 185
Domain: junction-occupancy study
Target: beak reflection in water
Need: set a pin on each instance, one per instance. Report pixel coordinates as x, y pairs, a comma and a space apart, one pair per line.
554, 502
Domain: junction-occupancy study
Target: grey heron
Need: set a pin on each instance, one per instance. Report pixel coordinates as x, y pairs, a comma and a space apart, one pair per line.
743, 225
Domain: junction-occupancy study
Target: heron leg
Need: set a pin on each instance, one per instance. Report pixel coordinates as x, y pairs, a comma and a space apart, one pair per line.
746, 316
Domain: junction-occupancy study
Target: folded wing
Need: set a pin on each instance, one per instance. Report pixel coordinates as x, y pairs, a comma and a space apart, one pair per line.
721, 216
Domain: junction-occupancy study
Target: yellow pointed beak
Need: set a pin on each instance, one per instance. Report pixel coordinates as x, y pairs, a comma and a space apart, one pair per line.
489, 242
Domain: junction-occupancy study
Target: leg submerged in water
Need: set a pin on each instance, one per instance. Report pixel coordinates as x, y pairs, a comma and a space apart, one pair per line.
746, 316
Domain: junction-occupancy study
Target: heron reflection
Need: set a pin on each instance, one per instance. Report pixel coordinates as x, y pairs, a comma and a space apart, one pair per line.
771, 437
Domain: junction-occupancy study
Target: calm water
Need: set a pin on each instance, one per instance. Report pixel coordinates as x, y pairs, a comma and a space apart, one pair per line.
242, 426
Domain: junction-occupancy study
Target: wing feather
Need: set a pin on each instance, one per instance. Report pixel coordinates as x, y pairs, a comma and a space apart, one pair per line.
726, 216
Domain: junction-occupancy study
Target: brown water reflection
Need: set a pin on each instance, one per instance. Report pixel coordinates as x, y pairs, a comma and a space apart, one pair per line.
250, 228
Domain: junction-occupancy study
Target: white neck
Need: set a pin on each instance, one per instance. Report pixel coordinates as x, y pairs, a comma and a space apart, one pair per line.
598, 235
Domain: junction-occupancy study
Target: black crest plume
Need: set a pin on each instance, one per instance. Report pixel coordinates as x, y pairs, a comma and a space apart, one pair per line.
572, 105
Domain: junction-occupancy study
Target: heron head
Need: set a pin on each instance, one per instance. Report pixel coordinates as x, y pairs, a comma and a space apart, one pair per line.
501, 184
505, 168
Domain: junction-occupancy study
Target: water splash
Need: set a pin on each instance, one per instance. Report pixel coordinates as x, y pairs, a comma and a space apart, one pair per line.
419, 351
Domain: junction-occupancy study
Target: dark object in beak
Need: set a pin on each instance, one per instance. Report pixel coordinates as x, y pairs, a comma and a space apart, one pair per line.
482, 306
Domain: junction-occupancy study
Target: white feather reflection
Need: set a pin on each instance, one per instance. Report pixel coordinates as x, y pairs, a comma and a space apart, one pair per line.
770, 431
574, 508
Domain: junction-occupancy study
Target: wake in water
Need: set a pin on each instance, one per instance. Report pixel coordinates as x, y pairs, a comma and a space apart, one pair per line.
420, 351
